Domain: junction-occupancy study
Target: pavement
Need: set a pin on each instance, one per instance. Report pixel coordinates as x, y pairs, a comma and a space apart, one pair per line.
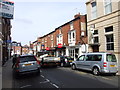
7, 78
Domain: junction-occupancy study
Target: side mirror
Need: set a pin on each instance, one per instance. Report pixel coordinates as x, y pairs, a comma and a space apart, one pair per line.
77, 59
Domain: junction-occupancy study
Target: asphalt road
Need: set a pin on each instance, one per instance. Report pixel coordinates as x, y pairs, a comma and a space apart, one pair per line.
65, 77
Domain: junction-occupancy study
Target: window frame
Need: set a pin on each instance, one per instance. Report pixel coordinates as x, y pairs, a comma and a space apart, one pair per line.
106, 5
93, 11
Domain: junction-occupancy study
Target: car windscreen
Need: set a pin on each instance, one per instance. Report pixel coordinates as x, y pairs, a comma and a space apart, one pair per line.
111, 58
27, 58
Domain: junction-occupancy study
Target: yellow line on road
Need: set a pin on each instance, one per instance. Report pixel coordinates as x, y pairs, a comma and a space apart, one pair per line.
106, 78
79, 72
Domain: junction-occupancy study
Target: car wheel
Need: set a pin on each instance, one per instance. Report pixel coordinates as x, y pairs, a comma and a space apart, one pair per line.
16, 75
73, 67
38, 72
62, 65
96, 71
114, 74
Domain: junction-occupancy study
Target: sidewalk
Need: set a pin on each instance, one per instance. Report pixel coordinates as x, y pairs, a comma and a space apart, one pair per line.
7, 78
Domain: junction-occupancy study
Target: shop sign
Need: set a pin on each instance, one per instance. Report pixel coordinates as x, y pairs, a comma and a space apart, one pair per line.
47, 48
59, 45
6, 9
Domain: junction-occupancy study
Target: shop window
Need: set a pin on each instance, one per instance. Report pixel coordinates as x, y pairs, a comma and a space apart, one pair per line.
96, 40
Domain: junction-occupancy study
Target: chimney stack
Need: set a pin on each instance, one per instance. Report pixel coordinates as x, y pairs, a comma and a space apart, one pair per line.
77, 15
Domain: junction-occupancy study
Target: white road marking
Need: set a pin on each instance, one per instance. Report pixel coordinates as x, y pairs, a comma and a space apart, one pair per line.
25, 86
47, 80
44, 82
42, 76
55, 85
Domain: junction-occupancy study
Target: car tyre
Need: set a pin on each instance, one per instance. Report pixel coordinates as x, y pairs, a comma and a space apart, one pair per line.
38, 72
61, 64
73, 67
16, 75
96, 71
114, 74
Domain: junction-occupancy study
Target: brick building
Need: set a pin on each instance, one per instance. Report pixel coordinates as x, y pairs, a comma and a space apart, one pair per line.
6, 14
68, 39
25, 49
16, 48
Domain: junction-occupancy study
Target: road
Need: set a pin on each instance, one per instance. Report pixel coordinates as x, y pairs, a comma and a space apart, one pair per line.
65, 77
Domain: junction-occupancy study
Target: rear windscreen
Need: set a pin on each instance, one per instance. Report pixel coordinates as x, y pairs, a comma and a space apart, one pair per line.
27, 58
111, 58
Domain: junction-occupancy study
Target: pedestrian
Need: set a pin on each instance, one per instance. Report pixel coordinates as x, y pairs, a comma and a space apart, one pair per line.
14, 60
76, 55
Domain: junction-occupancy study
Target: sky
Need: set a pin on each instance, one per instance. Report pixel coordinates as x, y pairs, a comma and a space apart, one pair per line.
35, 18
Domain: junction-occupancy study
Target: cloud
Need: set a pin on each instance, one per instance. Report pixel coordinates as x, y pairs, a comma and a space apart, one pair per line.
23, 20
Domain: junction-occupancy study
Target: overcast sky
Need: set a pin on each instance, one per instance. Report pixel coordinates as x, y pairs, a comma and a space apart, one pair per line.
33, 18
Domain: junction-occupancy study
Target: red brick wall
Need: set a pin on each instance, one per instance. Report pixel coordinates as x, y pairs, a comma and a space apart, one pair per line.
65, 29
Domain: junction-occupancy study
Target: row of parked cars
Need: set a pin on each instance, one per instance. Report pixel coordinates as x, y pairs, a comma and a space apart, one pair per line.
96, 62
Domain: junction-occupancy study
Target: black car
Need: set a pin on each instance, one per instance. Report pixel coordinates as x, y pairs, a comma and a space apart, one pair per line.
65, 61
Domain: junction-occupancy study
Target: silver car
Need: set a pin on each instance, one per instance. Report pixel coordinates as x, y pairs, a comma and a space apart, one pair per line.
97, 63
26, 64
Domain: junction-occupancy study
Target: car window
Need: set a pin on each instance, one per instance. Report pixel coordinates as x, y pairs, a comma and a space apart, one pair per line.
111, 58
27, 58
93, 57
81, 58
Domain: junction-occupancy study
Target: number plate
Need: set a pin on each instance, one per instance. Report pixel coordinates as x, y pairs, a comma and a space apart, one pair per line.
70, 60
112, 65
27, 64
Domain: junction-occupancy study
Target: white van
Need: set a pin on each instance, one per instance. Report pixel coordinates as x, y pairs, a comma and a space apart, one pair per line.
99, 62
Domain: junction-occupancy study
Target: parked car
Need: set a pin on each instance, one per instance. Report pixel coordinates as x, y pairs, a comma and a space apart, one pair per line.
97, 63
65, 61
26, 64
49, 60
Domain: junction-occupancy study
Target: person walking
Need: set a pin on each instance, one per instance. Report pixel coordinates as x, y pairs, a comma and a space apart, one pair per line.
14, 60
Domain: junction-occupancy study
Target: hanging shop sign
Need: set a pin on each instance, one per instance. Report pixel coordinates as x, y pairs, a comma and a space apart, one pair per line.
59, 45
47, 48
6, 9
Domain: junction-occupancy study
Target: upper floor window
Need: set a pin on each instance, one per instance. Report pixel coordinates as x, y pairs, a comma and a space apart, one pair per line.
108, 6
71, 36
94, 10
59, 39
95, 32
71, 26
110, 42
96, 39
109, 29
51, 37
83, 26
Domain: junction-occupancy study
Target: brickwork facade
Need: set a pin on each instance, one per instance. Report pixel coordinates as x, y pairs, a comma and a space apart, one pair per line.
71, 36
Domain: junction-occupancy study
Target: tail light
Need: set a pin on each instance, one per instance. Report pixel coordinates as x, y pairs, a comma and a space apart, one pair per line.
17, 63
104, 64
37, 60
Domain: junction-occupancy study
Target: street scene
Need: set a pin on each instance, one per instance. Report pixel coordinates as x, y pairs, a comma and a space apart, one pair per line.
59, 44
